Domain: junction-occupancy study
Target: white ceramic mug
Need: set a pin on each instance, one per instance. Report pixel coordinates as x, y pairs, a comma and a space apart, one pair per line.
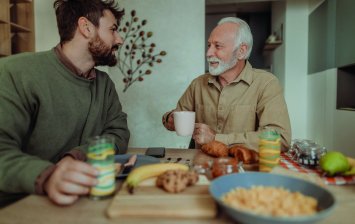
184, 122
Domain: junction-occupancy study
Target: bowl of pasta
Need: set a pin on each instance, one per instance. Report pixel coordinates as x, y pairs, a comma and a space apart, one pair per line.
256, 197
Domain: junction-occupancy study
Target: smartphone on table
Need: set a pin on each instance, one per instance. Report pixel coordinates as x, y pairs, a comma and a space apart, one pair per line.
158, 152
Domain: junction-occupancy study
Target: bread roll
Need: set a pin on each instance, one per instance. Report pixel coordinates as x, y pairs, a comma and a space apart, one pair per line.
215, 149
244, 154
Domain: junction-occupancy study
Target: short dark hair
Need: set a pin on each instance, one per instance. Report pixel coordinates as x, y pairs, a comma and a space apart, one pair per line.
68, 13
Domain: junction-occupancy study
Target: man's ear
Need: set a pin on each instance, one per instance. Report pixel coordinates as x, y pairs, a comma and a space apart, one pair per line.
85, 27
242, 51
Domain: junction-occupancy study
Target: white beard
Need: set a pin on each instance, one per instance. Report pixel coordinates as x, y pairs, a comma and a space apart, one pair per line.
222, 66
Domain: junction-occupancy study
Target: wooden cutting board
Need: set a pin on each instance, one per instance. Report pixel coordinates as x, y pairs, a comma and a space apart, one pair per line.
150, 201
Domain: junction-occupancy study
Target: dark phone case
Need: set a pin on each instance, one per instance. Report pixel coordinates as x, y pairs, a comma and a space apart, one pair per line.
158, 152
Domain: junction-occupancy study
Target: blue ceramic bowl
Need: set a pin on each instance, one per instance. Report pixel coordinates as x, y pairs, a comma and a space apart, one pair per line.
224, 184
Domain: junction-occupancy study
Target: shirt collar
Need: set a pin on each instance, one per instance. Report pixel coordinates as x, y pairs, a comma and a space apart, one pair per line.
245, 75
91, 74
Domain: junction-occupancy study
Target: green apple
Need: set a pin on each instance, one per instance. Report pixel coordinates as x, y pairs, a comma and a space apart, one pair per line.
334, 162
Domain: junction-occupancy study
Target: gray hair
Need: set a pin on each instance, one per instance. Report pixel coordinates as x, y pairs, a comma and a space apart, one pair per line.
243, 35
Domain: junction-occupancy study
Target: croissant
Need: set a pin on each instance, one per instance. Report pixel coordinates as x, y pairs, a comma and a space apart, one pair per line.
215, 149
242, 153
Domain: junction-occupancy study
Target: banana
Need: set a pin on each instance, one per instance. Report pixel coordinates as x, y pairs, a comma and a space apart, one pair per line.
349, 172
351, 161
151, 170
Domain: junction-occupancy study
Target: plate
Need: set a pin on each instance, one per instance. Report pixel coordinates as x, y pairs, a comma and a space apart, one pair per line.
141, 160
224, 184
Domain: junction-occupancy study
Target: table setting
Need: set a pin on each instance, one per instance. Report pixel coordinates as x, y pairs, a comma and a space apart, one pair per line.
200, 203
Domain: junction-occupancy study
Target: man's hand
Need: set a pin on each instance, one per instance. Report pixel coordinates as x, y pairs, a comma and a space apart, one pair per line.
169, 120
203, 134
70, 179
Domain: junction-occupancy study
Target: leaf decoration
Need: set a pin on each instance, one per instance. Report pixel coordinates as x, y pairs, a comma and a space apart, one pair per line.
136, 55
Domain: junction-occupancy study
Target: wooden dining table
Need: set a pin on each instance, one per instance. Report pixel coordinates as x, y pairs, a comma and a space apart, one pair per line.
35, 209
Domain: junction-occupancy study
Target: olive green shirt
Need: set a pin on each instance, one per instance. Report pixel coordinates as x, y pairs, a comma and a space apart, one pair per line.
47, 111
241, 109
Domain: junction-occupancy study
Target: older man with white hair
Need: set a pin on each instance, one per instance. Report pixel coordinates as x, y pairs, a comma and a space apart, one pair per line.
233, 102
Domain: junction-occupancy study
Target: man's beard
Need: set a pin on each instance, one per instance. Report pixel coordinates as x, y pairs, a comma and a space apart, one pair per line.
101, 53
222, 66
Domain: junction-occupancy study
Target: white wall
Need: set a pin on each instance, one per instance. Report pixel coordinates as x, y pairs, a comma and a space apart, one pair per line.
45, 25
178, 27
278, 55
330, 127
321, 102
344, 130
289, 61
296, 51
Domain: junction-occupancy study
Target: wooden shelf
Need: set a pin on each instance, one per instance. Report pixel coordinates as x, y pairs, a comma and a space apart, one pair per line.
272, 46
3, 55
21, 1
16, 27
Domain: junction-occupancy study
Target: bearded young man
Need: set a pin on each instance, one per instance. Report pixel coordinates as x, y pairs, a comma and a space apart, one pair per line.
51, 102
233, 102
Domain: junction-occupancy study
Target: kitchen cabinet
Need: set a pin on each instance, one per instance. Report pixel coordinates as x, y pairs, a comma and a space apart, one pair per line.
345, 33
16, 27
345, 88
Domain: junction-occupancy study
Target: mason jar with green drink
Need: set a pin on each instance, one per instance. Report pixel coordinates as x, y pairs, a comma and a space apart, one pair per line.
269, 149
101, 155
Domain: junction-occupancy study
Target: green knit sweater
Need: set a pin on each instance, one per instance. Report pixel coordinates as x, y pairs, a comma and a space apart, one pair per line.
46, 111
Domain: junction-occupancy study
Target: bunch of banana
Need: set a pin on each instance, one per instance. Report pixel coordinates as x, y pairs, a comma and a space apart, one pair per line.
351, 171
152, 170
351, 161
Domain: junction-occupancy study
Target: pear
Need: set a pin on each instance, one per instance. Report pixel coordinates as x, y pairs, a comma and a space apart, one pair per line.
334, 162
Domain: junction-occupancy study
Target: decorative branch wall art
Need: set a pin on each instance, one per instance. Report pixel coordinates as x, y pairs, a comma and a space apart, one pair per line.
137, 57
